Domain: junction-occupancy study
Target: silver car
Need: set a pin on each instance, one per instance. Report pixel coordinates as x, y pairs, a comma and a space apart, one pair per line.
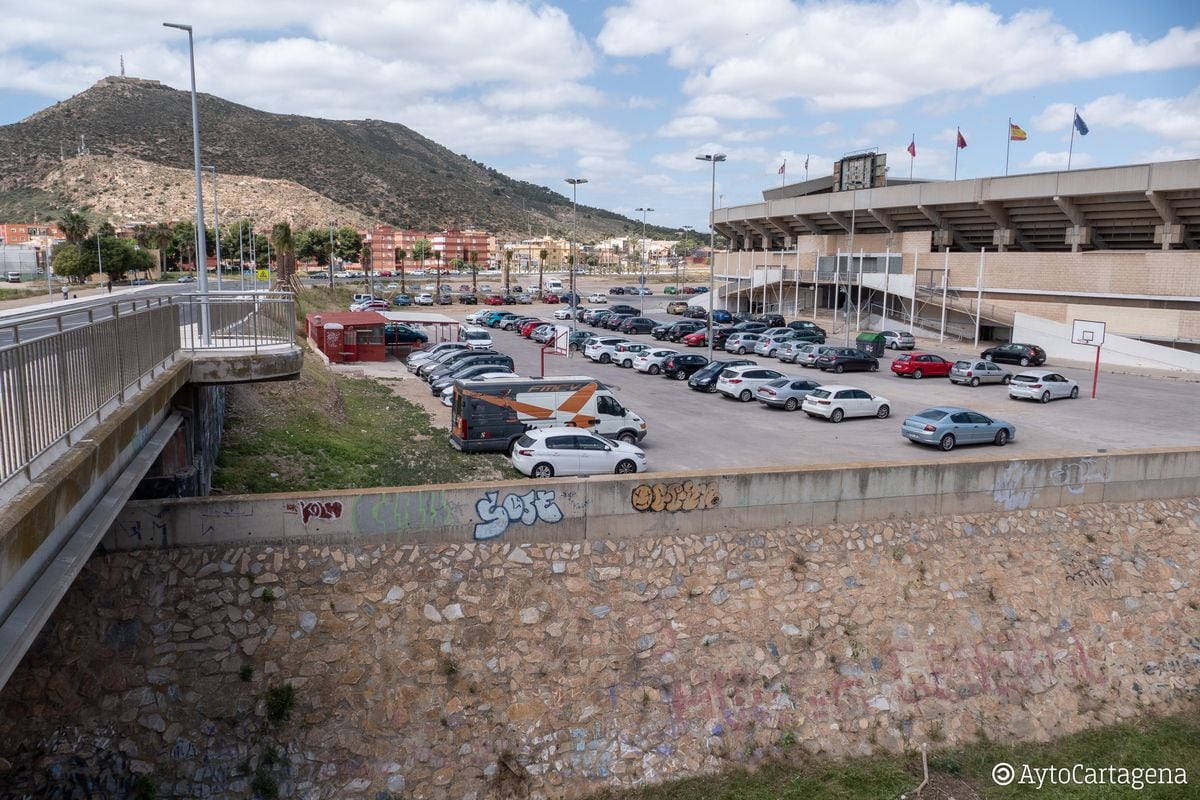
769, 345
898, 340
977, 372
790, 351
947, 426
809, 357
785, 393
742, 343
1042, 385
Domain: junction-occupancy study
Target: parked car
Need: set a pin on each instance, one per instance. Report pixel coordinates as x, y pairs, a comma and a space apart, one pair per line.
578, 339
427, 354
770, 344
743, 382
705, 379
700, 338
562, 313
441, 359
597, 320
546, 452
785, 393
688, 290
670, 290
542, 334
494, 319
770, 320
530, 326
510, 299
466, 373
806, 325
524, 299
570, 299
683, 366
696, 312
402, 300
947, 426
445, 300
791, 351
835, 403
660, 331
371, 305
597, 298
622, 308
602, 349
841, 359
811, 335
1026, 355
977, 372
493, 300
616, 290
898, 340
748, 326
650, 361
676, 307
638, 325
809, 357
514, 323
625, 353
678, 330
432, 371
448, 392
397, 333
424, 299
722, 316
614, 321
741, 342
1042, 385
921, 365
468, 299
550, 297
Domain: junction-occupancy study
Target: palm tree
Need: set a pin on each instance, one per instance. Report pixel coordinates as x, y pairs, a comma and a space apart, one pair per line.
400, 256
163, 236
144, 236
285, 252
437, 270
421, 249
543, 254
475, 272
365, 260
74, 227
508, 254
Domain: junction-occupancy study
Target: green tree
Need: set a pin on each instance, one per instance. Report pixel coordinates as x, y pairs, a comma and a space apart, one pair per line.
400, 256
183, 242
74, 226
347, 243
508, 256
543, 254
161, 236
285, 252
68, 261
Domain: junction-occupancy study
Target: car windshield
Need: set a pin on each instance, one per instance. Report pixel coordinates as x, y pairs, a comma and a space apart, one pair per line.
904, 357
476, 335
820, 394
1026, 379
779, 382
932, 414
525, 441
729, 373
962, 364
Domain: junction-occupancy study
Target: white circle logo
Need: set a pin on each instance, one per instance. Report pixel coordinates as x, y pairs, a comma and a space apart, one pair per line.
1003, 774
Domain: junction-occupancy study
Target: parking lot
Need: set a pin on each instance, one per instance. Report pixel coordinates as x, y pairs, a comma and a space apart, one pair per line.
689, 429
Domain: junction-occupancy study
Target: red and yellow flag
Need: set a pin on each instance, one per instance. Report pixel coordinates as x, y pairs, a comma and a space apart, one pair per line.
1016, 134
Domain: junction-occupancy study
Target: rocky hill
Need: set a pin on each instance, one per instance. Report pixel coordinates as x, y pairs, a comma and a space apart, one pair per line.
377, 170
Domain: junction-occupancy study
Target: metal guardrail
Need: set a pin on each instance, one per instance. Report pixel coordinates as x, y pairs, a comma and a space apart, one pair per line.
63, 371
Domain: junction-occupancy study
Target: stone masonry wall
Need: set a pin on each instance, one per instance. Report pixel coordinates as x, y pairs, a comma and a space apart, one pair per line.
477, 670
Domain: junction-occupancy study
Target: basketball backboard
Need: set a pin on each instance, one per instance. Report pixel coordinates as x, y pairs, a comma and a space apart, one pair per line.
562, 338
1087, 331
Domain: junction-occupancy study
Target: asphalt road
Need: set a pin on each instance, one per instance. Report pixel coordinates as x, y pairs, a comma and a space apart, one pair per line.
694, 430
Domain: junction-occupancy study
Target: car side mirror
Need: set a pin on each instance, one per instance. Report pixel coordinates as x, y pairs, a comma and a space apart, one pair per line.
607, 449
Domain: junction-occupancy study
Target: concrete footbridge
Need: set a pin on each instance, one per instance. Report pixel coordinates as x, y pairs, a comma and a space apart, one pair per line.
101, 396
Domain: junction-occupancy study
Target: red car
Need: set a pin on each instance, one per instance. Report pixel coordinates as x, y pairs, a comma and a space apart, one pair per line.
550, 298
921, 365
493, 300
531, 326
695, 339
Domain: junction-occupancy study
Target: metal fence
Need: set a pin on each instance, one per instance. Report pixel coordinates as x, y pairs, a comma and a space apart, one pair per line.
63, 371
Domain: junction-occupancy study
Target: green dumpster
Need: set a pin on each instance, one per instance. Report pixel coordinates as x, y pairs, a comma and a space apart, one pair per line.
870, 342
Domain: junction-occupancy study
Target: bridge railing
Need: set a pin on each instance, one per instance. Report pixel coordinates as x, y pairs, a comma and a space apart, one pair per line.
63, 371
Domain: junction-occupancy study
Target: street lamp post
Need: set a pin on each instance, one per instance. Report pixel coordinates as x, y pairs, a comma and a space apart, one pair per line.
645, 261
216, 224
331, 255
201, 266
715, 158
574, 295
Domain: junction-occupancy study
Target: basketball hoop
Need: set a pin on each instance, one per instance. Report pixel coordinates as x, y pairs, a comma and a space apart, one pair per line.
1091, 333
559, 345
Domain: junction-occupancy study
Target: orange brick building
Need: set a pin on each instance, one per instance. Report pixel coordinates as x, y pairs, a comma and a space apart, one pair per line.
40, 233
386, 240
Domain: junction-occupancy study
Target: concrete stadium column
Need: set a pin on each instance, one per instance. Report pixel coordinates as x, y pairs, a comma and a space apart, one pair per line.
1167, 235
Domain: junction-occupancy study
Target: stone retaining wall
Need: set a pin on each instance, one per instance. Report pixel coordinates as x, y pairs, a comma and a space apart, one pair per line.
473, 670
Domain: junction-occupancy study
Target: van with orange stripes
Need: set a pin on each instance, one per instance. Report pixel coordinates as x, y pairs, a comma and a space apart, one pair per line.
493, 415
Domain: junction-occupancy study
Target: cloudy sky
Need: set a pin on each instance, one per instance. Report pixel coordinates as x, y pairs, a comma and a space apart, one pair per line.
627, 94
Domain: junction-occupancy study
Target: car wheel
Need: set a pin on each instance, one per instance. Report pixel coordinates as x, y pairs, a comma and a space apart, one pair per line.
918, 375
654, 370
974, 381
770, 354
629, 437
1006, 380
626, 467
839, 369
791, 404
627, 363
947, 442
1074, 392
837, 416
1045, 397
988, 357
875, 367
883, 412
746, 396
542, 470
681, 375
1024, 362
605, 358
1001, 438
712, 388
741, 351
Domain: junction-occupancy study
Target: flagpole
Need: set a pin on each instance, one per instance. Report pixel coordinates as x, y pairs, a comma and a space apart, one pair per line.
784, 174
1071, 148
806, 168
911, 157
1008, 146
957, 135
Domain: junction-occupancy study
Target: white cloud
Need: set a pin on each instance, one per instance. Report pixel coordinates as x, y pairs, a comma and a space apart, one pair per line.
690, 127
724, 106
771, 50
1057, 161
879, 127
826, 129
1176, 118
543, 97
637, 101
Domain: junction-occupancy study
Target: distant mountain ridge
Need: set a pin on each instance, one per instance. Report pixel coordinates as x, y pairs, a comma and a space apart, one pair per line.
381, 171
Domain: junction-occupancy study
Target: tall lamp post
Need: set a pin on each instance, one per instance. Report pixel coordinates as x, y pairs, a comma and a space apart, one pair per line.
645, 260
684, 231
715, 158
216, 223
574, 296
201, 266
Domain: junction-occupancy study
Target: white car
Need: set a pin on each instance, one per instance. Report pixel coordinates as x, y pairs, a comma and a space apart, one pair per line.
651, 360
547, 452
1042, 385
425, 299
835, 403
415, 360
448, 392
476, 317
475, 338
562, 313
626, 352
743, 382
598, 299
602, 349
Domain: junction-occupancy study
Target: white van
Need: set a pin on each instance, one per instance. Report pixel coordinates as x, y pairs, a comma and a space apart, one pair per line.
552, 285
12, 277
475, 338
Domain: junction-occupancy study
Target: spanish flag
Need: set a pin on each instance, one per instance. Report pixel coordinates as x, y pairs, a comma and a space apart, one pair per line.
1016, 134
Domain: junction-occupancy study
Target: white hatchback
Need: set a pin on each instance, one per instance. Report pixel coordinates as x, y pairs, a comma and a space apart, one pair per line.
835, 403
742, 382
1042, 385
598, 299
424, 300
602, 349
562, 313
547, 452
651, 361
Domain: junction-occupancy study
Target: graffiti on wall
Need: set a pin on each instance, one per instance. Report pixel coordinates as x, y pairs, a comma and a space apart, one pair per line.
315, 509
1076, 474
1015, 486
1019, 482
399, 511
536, 505
683, 496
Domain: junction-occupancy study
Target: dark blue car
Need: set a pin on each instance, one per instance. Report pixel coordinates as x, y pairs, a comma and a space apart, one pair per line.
722, 316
